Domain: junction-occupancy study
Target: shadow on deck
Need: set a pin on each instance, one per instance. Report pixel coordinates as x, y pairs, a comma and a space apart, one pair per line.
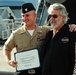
8, 73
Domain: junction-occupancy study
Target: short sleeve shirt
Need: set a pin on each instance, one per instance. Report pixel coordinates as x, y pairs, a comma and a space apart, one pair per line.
22, 40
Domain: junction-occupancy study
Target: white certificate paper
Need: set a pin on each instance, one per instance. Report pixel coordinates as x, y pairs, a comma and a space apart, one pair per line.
27, 59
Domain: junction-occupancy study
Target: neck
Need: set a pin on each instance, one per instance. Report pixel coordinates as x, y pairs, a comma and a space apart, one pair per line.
58, 28
31, 27
55, 30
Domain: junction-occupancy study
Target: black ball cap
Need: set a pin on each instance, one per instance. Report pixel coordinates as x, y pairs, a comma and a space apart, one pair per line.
27, 7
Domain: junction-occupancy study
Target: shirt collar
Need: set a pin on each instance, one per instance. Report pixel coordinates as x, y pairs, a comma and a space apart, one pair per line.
23, 29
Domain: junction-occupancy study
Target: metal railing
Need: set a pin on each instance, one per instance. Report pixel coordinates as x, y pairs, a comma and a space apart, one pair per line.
10, 26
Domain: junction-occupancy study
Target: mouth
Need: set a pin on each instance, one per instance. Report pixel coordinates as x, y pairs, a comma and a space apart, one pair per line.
26, 21
53, 23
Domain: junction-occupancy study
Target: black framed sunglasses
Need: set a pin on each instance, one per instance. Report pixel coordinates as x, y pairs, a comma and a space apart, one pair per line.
54, 16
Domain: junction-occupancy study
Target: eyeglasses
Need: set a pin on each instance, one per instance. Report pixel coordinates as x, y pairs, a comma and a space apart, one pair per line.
54, 16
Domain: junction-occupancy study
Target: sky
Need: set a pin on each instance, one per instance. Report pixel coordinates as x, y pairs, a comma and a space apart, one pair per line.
35, 2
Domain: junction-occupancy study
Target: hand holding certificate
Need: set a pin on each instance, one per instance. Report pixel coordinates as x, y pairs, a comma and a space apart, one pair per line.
27, 59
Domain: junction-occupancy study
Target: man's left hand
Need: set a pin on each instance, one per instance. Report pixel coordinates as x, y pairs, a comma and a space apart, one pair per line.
72, 27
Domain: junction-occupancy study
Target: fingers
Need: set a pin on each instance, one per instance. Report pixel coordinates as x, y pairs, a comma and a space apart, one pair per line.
13, 63
75, 29
72, 28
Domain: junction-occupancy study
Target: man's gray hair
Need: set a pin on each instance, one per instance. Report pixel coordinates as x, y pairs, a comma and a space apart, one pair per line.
58, 6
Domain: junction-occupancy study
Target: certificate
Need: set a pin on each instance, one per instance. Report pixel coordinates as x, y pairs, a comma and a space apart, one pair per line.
27, 59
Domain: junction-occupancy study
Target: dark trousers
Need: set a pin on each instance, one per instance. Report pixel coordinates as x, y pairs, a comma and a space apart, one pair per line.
36, 71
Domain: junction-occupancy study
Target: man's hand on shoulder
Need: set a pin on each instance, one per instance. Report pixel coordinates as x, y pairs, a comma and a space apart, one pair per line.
72, 27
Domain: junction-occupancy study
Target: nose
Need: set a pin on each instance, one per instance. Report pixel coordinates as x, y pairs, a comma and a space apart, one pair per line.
51, 18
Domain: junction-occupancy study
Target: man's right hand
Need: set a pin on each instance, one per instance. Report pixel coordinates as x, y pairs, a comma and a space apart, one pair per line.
12, 63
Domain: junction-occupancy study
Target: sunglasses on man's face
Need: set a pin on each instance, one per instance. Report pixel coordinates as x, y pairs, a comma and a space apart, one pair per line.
54, 16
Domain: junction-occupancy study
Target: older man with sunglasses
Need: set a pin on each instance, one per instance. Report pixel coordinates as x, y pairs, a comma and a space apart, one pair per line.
58, 49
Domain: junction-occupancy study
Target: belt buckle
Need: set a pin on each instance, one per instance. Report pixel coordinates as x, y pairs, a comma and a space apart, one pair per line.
31, 71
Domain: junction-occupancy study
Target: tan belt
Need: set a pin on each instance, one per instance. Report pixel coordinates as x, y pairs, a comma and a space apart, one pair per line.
31, 71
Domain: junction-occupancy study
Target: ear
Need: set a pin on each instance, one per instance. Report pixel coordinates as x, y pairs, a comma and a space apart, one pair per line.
64, 17
35, 15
